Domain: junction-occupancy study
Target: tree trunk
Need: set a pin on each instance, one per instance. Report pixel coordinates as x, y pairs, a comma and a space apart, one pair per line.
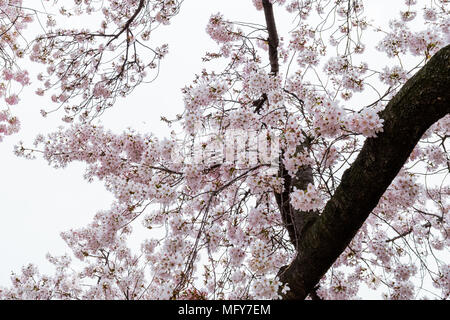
319, 241
422, 101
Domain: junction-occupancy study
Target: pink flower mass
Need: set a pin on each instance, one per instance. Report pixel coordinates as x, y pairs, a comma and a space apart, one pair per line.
222, 229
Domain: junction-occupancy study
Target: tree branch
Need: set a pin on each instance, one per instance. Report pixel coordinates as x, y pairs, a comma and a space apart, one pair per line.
273, 36
129, 21
294, 221
423, 100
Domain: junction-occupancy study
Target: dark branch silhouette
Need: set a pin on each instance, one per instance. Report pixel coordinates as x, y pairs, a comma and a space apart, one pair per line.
320, 239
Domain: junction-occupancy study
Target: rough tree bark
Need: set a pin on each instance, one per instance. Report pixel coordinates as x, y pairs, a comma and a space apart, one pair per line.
422, 101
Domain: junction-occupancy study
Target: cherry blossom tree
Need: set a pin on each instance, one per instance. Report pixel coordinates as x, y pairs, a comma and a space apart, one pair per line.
354, 191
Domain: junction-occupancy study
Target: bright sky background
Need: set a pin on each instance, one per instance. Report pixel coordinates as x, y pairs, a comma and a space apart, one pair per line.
37, 202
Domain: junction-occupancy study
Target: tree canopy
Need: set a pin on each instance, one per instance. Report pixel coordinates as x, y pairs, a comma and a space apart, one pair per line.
305, 165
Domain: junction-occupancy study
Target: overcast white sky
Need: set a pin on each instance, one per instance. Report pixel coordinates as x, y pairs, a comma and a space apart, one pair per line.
37, 202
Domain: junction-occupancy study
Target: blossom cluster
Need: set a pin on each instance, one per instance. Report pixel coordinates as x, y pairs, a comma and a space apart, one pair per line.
210, 220
13, 20
306, 200
221, 30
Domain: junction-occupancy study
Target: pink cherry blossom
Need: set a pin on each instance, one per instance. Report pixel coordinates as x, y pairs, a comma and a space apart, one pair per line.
214, 227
